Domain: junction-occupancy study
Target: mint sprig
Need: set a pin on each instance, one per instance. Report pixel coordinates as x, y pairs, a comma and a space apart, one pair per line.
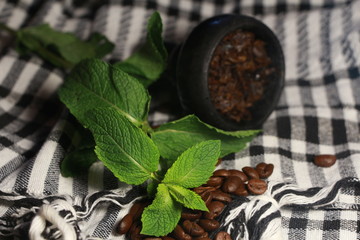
112, 103
186, 172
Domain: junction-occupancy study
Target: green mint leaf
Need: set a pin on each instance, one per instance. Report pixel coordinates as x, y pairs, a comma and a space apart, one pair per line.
195, 165
94, 83
175, 137
77, 162
162, 216
148, 63
61, 49
123, 148
187, 197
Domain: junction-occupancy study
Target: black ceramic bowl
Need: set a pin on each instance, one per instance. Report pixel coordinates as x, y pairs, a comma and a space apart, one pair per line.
192, 67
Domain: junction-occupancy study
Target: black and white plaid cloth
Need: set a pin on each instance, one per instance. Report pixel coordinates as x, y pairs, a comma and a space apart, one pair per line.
318, 113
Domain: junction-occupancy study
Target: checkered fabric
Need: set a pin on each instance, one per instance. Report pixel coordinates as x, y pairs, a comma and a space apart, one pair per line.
318, 113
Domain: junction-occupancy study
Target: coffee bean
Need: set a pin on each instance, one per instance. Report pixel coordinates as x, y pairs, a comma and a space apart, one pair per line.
133, 227
137, 209
202, 238
167, 238
152, 238
209, 224
135, 232
241, 190
231, 184
257, 186
221, 173
201, 189
214, 181
221, 196
222, 236
180, 234
192, 228
215, 209
204, 235
240, 174
207, 197
325, 160
250, 172
209, 215
190, 214
264, 170
125, 224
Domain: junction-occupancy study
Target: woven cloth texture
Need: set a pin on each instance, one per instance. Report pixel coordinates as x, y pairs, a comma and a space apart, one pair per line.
318, 113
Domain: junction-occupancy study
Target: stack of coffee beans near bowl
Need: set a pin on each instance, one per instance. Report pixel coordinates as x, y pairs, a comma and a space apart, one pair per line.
219, 191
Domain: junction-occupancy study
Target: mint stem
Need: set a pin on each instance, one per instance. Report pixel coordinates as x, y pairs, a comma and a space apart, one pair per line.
155, 177
8, 29
44, 53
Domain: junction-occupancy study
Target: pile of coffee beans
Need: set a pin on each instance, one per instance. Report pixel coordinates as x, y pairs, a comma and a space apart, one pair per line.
217, 192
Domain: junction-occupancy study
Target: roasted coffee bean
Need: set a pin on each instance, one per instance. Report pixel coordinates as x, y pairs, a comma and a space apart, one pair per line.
214, 181
238, 173
201, 189
180, 234
152, 238
325, 160
207, 197
209, 215
209, 224
190, 214
250, 172
125, 224
221, 173
167, 238
135, 232
241, 190
231, 184
215, 209
264, 170
204, 235
192, 228
137, 209
222, 236
202, 238
221, 196
256, 186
